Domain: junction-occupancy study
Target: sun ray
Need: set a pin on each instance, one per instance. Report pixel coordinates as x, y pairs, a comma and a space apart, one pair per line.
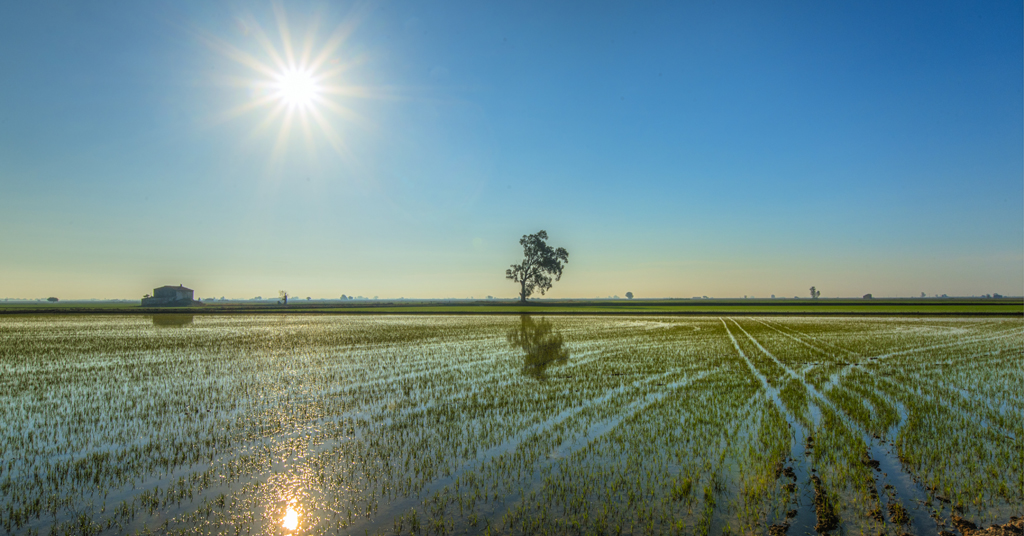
302, 82
285, 33
243, 109
268, 46
243, 82
282, 135
332, 137
272, 117
348, 114
307, 134
325, 53
308, 41
337, 69
237, 55
338, 37
362, 92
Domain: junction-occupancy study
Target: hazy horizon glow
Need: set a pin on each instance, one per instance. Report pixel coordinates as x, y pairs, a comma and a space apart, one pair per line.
402, 150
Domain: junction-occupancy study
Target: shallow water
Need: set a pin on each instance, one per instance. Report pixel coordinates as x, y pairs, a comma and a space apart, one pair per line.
338, 424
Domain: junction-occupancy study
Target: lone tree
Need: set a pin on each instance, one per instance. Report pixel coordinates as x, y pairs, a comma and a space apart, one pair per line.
815, 293
541, 262
283, 296
629, 295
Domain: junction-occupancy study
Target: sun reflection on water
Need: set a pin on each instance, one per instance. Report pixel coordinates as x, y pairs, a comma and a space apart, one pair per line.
291, 517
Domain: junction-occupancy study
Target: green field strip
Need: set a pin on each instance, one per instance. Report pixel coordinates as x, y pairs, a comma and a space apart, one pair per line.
670, 307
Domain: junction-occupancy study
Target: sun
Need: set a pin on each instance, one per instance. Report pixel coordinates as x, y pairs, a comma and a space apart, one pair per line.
299, 83
297, 88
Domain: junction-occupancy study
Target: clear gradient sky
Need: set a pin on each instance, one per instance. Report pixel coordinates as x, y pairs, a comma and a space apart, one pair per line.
674, 148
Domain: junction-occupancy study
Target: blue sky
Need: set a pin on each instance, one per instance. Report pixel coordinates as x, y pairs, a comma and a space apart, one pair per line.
675, 149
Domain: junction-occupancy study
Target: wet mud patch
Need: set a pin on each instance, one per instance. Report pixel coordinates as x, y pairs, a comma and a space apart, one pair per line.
1015, 527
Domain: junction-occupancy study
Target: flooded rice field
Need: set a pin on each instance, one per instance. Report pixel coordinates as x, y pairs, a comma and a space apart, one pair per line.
509, 425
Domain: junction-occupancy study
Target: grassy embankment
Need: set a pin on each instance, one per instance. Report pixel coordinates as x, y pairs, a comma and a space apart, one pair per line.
892, 306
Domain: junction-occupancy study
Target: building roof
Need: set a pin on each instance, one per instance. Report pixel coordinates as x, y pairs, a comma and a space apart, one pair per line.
172, 287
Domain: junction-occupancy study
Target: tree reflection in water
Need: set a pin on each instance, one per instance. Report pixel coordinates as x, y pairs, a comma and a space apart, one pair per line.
172, 320
542, 344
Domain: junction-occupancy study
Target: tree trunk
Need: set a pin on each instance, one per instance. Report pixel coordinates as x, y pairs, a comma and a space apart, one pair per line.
522, 293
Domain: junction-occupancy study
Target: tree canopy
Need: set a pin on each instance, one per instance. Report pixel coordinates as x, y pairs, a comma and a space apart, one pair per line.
542, 264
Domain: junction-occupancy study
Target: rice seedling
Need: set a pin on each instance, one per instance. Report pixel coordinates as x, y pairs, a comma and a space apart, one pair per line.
508, 425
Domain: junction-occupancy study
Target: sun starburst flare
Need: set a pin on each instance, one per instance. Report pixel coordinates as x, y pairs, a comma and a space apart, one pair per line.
302, 85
